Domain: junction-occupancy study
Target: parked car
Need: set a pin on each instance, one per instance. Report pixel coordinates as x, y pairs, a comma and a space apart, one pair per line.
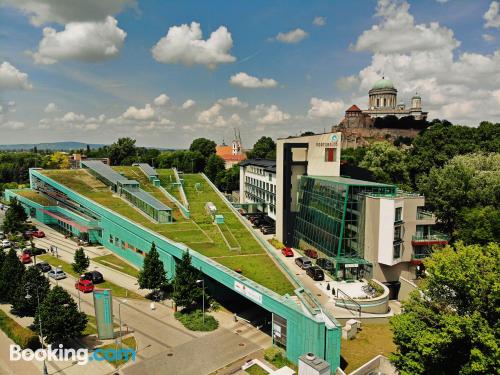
287, 251
6, 244
34, 251
268, 230
43, 266
325, 264
25, 258
311, 253
38, 233
315, 273
84, 285
94, 276
57, 274
303, 262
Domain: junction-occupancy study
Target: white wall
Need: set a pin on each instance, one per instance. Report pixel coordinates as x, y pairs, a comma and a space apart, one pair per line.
386, 231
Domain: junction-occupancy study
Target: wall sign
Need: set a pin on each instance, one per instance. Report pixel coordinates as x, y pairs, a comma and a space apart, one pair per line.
246, 291
103, 306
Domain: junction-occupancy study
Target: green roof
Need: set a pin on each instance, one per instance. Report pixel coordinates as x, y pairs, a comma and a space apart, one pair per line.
383, 84
348, 181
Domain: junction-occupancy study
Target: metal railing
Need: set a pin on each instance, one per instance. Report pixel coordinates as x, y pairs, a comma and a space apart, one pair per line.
344, 296
424, 215
435, 236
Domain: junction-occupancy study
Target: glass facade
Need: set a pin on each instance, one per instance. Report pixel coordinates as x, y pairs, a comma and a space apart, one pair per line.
330, 215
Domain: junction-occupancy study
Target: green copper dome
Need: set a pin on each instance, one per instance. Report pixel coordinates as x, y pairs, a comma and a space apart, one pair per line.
383, 84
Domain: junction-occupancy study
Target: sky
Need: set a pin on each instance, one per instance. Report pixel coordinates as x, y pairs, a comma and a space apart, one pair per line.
166, 72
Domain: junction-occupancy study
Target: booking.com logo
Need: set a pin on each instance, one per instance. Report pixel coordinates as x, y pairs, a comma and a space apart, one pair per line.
81, 356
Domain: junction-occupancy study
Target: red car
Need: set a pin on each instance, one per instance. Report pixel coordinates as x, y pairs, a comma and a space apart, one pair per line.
287, 251
25, 258
313, 254
84, 285
38, 234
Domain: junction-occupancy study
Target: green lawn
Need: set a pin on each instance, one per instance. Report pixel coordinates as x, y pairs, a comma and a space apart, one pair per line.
198, 233
116, 290
256, 370
372, 340
167, 178
127, 343
36, 197
117, 263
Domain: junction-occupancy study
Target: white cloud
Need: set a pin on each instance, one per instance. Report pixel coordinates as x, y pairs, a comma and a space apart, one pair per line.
233, 102
270, 115
398, 32
442, 1
244, 80
185, 45
212, 116
64, 11
72, 120
454, 85
13, 125
12, 78
325, 109
496, 95
51, 108
133, 113
492, 16
292, 36
72, 117
347, 83
86, 41
319, 21
488, 37
161, 100
188, 104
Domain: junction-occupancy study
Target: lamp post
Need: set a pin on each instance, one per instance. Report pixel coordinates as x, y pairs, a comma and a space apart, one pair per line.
45, 372
202, 281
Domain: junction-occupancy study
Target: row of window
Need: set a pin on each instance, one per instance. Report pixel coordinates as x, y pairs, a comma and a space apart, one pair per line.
261, 184
261, 171
124, 245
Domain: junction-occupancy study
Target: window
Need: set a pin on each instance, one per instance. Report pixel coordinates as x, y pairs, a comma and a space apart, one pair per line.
398, 215
270, 177
397, 233
330, 154
396, 251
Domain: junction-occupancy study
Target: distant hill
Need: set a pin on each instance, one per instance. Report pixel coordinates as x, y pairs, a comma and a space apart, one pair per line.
63, 146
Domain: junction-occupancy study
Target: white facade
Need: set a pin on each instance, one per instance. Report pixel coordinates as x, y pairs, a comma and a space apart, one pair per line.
258, 185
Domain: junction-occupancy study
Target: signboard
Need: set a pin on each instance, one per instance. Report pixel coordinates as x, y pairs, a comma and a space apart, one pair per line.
103, 306
279, 330
354, 265
246, 291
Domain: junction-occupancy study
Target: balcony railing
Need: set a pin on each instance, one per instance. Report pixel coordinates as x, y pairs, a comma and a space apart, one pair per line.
421, 253
424, 215
433, 237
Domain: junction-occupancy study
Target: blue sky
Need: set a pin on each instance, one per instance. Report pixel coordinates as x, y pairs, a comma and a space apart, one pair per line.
102, 84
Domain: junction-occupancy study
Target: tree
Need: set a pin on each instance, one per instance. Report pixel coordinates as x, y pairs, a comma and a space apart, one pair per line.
60, 317
153, 275
387, 163
15, 217
186, 290
204, 146
264, 148
466, 181
58, 160
228, 179
215, 164
122, 149
10, 276
451, 325
187, 161
80, 262
32, 282
478, 225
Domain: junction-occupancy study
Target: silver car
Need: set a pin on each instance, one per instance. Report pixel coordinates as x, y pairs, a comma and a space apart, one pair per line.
57, 274
6, 244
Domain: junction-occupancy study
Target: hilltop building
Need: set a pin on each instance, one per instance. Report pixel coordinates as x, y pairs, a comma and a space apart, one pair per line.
233, 153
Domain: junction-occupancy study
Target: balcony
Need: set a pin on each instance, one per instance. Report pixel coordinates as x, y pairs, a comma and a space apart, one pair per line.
421, 253
434, 238
424, 215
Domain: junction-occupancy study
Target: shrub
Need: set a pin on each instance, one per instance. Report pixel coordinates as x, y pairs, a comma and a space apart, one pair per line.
277, 244
194, 320
378, 289
277, 357
22, 336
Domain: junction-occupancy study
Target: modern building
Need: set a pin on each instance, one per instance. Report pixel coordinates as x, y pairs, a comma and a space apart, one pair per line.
76, 159
258, 185
233, 153
382, 102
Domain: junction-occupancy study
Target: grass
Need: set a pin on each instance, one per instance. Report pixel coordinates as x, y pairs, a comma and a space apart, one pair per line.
36, 197
91, 327
127, 343
193, 321
277, 358
167, 178
22, 336
116, 290
118, 264
256, 370
198, 233
372, 340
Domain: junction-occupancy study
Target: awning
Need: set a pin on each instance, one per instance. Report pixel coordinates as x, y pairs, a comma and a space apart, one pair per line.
68, 220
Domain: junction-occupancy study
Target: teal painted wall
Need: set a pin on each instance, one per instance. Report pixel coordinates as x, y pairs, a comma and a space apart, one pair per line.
305, 334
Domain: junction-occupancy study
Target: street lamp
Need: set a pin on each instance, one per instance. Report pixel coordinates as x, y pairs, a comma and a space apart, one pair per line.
45, 372
202, 281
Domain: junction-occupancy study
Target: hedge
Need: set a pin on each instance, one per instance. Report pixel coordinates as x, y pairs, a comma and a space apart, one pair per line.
24, 337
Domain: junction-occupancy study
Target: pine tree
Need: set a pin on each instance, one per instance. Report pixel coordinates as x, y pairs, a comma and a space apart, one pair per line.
60, 317
153, 275
10, 276
81, 261
32, 284
15, 218
186, 290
